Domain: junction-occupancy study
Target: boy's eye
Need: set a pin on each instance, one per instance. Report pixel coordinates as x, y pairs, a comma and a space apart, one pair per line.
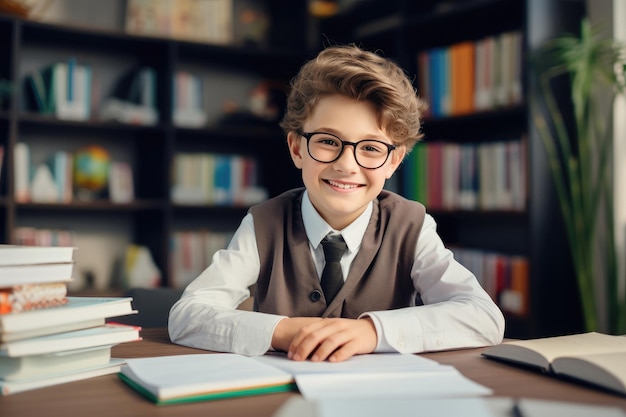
371, 147
329, 140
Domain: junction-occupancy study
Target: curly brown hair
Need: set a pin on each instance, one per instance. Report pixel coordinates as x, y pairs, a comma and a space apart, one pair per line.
351, 71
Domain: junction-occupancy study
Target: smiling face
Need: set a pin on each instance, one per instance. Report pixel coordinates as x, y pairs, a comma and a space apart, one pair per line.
341, 190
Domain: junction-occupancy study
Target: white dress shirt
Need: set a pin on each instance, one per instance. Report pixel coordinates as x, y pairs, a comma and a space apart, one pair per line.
456, 313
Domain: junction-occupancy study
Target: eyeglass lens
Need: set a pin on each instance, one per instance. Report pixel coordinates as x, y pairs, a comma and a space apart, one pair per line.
324, 147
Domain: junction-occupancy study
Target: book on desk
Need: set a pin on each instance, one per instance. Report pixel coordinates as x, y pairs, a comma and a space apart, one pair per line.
592, 358
200, 377
46, 337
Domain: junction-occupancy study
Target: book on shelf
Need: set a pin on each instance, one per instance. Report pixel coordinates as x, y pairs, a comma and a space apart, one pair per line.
28, 255
196, 377
62, 89
504, 277
219, 179
31, 236
78, 312
199, 21
121, 184
468, 176
21, 172
472, 75
133, 100
107, 334
188, 100
32, 297
61, 166
13, 387
593, 358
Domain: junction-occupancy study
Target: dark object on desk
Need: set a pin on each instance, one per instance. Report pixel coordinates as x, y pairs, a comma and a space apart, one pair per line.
153, 306
592, 358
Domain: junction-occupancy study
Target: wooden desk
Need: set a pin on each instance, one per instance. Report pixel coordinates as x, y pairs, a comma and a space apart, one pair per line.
109, 396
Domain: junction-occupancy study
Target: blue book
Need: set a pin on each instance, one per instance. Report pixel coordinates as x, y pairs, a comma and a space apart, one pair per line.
223, 186
435, 79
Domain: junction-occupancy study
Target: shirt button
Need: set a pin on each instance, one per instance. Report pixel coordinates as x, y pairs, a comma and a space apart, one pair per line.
315, 295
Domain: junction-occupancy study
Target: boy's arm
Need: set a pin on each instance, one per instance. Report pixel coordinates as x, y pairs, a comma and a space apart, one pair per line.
457, 312
206, 316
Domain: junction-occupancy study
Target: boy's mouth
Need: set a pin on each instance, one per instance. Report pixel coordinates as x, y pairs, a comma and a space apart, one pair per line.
342, 185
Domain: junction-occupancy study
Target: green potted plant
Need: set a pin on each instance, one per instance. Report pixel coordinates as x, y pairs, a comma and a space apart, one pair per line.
580, 157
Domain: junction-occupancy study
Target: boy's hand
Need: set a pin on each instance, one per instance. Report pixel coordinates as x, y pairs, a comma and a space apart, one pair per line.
334, 340
287, 329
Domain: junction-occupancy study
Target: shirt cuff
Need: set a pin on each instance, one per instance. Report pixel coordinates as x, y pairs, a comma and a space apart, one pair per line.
253, 333
382, 346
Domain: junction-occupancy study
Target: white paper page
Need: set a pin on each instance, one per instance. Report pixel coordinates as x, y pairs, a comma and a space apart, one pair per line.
436, 382
544, 408
404, 407
375, 362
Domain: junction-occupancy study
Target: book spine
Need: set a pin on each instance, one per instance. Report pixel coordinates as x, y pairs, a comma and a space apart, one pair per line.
32, 297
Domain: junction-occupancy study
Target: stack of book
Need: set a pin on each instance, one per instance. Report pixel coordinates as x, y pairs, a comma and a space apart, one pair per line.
46, 337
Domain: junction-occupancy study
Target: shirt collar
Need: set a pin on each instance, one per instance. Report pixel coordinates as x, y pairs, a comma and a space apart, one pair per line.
316, 227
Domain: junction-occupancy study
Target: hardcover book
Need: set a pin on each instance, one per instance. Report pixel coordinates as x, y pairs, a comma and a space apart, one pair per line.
50, 364
78, 312
189, 378
593, 358
32, 297
11, 275
106, 335
30, 255
198, 377
12, 387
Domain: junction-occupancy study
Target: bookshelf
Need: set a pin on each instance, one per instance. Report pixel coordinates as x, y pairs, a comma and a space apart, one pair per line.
102, 229
403, 30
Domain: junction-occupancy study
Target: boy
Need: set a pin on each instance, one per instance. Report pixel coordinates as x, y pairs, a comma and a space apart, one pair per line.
351, 118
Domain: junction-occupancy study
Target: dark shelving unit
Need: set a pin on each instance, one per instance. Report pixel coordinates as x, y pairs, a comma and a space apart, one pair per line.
403, 28
152, 217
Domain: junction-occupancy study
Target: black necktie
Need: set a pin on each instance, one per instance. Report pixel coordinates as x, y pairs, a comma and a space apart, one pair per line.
332, 278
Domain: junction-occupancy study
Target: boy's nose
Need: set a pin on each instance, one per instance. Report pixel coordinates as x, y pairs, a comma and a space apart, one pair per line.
347, 161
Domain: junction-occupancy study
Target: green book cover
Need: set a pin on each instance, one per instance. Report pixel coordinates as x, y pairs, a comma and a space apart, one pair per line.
244, 392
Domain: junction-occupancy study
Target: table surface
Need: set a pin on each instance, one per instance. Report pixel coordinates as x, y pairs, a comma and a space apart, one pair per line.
109, 396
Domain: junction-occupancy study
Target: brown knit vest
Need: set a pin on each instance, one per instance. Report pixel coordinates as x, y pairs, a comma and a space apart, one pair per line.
379, 277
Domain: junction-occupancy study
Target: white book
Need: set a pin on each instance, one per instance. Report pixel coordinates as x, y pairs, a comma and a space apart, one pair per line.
184, 378
70, 89
196, 377
77, 310
443, 407
505, 79
12, 387
42, 331
11, 275
451, 175
108, 334
21, 171
49, 364
28, 255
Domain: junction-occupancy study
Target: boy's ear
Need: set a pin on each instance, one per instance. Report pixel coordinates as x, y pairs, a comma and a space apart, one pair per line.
397, 156
294, 141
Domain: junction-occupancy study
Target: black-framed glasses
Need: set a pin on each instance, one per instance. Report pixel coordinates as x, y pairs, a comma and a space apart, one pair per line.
326, 148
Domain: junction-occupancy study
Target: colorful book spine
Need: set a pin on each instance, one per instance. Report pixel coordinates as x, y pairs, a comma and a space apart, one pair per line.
472, 76
32, 297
